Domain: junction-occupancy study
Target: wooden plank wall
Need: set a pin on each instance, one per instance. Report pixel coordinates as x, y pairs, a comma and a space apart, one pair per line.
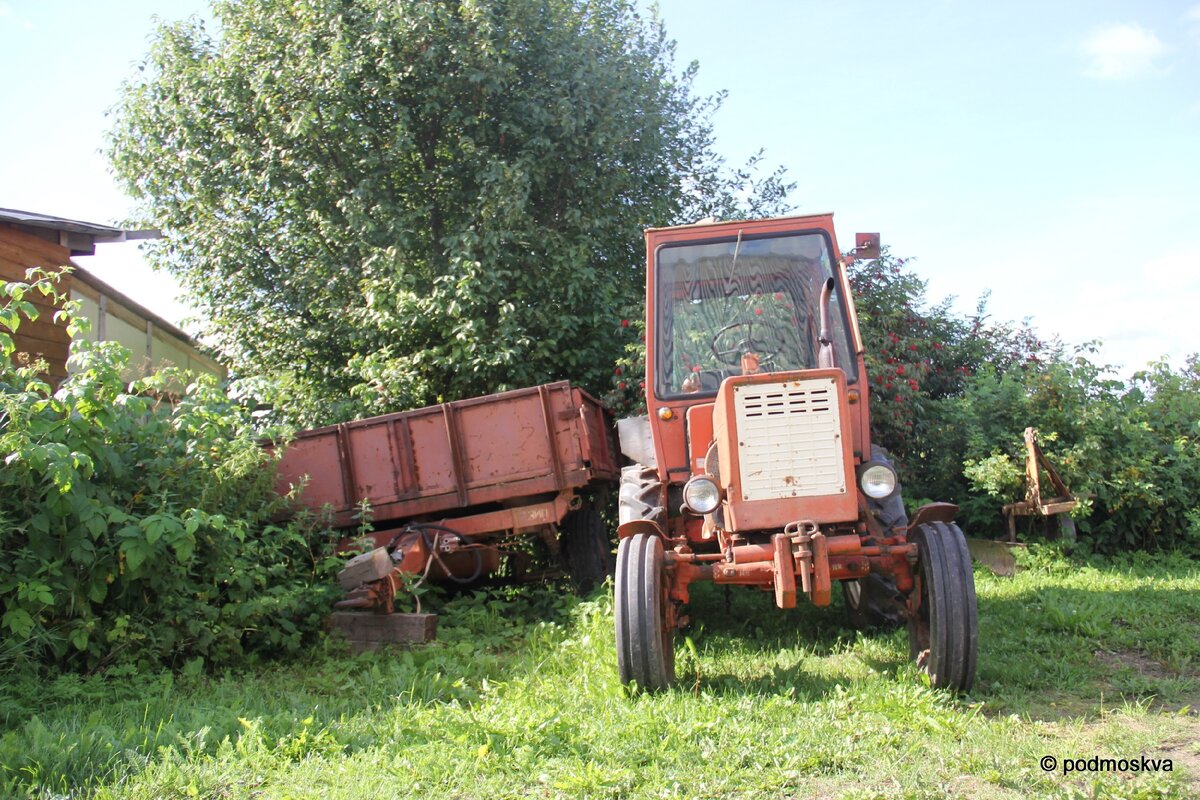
41, 339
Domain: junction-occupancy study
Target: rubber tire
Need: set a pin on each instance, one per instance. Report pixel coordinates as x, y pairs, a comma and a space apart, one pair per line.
640, 496
874, 602
586, 547
645, 646
944, 631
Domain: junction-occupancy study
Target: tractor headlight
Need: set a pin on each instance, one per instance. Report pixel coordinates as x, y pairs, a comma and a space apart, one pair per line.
701, 495
877, 480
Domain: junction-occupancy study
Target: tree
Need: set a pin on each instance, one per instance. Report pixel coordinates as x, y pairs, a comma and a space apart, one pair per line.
382, 204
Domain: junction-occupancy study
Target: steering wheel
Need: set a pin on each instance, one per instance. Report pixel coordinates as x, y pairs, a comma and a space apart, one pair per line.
732, 356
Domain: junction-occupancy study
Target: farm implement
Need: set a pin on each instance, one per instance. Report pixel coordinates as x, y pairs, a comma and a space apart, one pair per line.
464, 491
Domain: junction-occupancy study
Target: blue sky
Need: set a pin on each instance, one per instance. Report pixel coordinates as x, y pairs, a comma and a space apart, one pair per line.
1047, 152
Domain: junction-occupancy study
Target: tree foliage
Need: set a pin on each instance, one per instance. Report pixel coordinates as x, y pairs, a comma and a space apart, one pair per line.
380, 204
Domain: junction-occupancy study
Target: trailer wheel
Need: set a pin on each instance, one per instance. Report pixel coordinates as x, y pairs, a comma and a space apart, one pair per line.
645, 644
873, 602
586, 547
943, 630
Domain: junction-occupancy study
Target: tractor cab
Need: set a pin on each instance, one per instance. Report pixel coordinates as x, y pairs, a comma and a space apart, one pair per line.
752, 331
756, 466
742, 304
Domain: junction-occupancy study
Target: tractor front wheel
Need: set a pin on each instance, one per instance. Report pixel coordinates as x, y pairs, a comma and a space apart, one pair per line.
943, 630
645, 643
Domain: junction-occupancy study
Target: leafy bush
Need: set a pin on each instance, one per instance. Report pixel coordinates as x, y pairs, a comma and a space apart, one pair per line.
951, 397
133, 529
1129, 449
918, 354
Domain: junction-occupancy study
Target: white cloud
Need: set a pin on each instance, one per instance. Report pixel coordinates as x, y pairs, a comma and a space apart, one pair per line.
1124, 51
1126, 308
1193, 14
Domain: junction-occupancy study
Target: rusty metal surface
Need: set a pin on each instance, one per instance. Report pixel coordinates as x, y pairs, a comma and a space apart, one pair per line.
802, 560
767, 514
785, 571
933, 512
519, 519
492, 449
866, 245
821, 583
378, 596
1034, 504
415, 554
627, 529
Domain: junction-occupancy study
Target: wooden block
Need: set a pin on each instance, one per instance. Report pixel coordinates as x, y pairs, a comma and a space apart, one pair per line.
367, 631
364, 568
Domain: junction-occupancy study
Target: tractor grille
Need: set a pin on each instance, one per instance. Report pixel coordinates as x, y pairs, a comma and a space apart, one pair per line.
789, 439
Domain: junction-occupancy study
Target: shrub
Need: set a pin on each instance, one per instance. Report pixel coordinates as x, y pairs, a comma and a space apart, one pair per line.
1129, 449
951, 397
919, 354
134, 529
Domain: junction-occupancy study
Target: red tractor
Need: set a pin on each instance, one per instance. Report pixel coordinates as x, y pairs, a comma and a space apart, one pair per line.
757, 467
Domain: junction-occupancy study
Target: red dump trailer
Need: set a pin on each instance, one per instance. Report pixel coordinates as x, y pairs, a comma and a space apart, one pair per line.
462, 490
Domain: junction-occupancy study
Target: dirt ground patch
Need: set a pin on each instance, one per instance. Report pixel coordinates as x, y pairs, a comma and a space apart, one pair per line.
1184, 752
1142, 665
1181, 690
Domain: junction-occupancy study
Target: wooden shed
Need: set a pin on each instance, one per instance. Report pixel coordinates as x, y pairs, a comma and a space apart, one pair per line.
30, 240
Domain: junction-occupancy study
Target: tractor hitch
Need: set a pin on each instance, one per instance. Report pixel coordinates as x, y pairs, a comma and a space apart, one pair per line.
801, 559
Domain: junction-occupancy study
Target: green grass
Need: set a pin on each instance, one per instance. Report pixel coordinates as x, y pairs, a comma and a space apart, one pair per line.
519, 698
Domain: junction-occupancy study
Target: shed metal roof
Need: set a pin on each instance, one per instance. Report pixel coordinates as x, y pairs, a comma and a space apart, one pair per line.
99, 233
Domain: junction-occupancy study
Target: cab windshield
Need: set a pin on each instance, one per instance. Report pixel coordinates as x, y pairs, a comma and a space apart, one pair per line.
718, 301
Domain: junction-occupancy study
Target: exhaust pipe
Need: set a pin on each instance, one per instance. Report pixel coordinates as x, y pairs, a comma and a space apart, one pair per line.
825, 337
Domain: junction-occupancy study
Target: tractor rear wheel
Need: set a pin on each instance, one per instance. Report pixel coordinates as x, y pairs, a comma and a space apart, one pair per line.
645, 643
873, 602
640, 496
943, 630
